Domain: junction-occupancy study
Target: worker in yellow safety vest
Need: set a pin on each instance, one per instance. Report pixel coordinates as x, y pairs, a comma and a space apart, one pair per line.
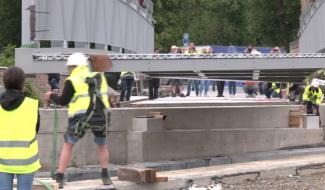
276, 90
18, 127
127, 81
313, 97
77, 94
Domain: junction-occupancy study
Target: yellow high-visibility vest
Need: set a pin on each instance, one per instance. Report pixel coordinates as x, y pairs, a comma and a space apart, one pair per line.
275, 87
18, 143
126, 73
81, 100
314, 96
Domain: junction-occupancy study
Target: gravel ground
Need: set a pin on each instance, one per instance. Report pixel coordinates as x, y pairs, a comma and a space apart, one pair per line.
309, 182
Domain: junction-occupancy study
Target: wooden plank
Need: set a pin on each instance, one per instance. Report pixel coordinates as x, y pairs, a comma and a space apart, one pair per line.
296, 118
150, 175
161, 179
139, 175
136, 175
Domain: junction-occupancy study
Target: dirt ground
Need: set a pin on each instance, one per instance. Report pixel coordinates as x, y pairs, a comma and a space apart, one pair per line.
309, 182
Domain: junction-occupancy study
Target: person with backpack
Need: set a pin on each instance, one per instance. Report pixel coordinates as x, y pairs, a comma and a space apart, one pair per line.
19, 125
86, 94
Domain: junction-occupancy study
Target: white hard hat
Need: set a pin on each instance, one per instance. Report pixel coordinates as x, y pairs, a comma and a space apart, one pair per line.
77, 59
173, 47
314, 83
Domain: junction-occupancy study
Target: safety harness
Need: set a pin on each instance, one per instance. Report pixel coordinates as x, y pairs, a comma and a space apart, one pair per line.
96, 109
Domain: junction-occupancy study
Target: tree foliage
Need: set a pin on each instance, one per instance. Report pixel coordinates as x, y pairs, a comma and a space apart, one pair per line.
7, 56
10, 19
273, 22
225, 22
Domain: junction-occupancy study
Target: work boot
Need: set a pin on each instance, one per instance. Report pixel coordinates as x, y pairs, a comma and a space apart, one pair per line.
60, 179
105, 177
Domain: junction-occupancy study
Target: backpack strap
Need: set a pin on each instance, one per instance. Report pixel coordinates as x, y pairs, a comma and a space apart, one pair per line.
95, 95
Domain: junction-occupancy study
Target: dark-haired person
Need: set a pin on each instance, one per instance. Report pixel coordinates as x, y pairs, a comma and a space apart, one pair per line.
18, 143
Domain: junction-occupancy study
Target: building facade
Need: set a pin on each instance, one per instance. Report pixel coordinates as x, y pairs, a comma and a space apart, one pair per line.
113, 25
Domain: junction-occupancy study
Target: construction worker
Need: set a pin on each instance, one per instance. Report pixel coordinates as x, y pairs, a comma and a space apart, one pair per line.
19, 125
76, 93
127, 80
276, 90
313, 97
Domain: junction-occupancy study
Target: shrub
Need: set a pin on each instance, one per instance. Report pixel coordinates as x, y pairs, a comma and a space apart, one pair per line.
7, 56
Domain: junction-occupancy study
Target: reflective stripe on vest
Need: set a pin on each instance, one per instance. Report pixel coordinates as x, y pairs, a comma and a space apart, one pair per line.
18, 144
123, 73
81, 100
126, 73
19, 162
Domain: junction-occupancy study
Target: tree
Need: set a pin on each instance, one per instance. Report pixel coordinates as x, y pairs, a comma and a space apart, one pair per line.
10, 19
7, 56
273, 23
225, 22
173, 19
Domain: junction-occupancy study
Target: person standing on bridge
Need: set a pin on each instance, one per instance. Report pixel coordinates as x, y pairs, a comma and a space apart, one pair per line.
176, 83
313, 97
86, 93
191, 51
127, 80
154, 84
19, 125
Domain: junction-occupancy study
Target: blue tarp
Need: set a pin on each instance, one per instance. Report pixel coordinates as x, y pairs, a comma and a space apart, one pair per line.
238, 49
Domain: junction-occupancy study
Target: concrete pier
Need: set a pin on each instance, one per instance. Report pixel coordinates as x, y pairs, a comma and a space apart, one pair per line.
187, 133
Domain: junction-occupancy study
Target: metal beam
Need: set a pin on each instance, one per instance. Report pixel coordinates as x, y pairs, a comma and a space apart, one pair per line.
227, 66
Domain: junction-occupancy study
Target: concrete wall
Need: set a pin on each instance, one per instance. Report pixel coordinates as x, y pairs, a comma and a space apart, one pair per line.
221, 117
191, 144
189, 132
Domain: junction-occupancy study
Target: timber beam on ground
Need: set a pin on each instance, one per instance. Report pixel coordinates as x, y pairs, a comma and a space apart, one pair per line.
264, 67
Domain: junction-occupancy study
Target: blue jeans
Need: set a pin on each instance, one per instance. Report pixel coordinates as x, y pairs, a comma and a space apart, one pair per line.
127, 84
189, 87
204, 84
24, 181
232, 87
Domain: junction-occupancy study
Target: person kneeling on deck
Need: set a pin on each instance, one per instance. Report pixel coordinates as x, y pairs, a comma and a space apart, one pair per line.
276, 90
313, 97
87, 96
19, 117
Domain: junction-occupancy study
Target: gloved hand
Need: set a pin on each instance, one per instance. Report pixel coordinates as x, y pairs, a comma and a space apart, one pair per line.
47, 96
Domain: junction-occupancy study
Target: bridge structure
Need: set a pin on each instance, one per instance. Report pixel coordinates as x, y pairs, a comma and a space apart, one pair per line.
265, 67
